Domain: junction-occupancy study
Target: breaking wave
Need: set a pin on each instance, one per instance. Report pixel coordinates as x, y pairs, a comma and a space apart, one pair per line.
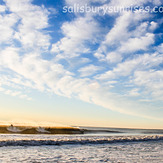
79, 140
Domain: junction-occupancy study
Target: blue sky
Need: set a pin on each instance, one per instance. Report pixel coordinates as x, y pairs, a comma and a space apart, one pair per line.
81, 62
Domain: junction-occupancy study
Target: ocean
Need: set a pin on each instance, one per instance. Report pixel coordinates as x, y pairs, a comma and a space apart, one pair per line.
110, 145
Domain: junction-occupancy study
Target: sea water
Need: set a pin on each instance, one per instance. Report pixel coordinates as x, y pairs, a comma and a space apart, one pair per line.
90, 148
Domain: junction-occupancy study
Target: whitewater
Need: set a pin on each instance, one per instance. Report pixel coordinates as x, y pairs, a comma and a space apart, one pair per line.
90, 148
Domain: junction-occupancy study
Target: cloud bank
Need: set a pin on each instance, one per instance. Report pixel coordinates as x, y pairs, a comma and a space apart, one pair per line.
116, 64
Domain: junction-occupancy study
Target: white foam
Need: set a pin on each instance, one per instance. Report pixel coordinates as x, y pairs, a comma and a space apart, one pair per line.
42, 130
75, 140
13, 129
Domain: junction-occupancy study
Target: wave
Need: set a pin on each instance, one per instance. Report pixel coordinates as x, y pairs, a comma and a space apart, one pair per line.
42, 130
13, 129
79, 141
39, 130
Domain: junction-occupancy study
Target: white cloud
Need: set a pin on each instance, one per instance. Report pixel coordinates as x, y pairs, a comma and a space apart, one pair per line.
6, 23
31, 66
31, 21
134, 92
14, 93
140, 30
121, 33
135, 44
46, 74
119, 30
127, 67
89, 70
76, 33
83, 2
117, 33
151, 80
160, 48
2, 8
71, 2
133, 41
114, 57
153, 26
128, 3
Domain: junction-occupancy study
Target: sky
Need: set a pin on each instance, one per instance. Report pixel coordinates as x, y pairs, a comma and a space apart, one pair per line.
82, 63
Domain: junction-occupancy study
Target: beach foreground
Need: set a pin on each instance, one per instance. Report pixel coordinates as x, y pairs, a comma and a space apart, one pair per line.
81, 148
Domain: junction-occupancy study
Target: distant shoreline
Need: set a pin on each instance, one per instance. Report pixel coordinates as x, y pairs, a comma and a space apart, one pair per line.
20, 129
